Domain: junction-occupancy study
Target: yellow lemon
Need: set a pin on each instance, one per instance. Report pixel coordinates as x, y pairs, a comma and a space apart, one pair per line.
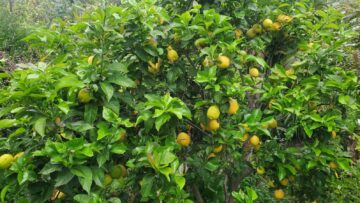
153, 68
183, 139
333, 165
218, 149
18, 155
333, 134
213, 125
273, 124
284, 182
260, 170
6, 161
84, 95
223, 61
254, 140
233, 106
251, 33
238, 33
257, 28
267, 23
172, 55
245, 137
254, 72
213, 112
279, 194
90, 60
276, 26
211, 155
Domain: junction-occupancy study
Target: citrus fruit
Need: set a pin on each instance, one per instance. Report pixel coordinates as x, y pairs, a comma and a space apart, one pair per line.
118, 171
213, 125
211, 155
183, 139
245, 137
273, 124
276, 26
279, 194
254, 72
251, 33
90, 60
257, 28
213, 112
267, 23
233, 106
333, 134
6, 160
107, 179
333, 165
238, 33
284, 182
223, 61
254, 140
218, 149
84, 95
172, 55
18, 155
260, 170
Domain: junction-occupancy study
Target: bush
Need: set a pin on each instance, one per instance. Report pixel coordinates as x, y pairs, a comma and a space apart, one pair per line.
135, 103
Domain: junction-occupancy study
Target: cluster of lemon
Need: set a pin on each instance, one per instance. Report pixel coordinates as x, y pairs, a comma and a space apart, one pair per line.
172, 56
117, 171
269, 25
7, 159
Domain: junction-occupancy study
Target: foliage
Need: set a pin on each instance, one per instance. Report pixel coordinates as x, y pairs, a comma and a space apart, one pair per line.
302, 105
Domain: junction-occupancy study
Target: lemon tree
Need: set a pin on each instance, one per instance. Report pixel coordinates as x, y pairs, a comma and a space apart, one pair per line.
162, 101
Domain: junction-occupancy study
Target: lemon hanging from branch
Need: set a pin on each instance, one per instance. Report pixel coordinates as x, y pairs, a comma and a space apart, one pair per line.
233, 106
172, 55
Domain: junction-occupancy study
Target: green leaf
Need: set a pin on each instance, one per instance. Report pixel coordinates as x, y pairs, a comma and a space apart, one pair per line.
344, 163
3, 193
208, 75
160, 121
98, 176
146, 186
258, 60
79, 126
311, 164
180, 181
281, 172
90, 113
84, 175
63, 178
122, 80
254, 117
7, 123
69, 81
40, 125
108, 90
251, 193
118, 148
110, 115
166, 172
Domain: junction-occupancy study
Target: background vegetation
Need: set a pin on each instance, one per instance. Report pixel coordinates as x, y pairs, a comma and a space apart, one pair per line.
185, 101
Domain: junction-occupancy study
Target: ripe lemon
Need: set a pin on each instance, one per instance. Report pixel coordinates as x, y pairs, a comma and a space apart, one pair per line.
153, 68
251, 33
267, 23
260, 170
90, 60
257, 28
6, 161
273, 124
276, 26
254, 140
245, 137
118, 171
233, 106
238, 33
172, 55
218, 149
61, 195
18, 155
333, 165
57, 120
223, 61
183, 139
213, 125
84, 95
284, 18
107, 179
279, 194
333, 134
213, 112
122, 135
284, 182
254, 72
211, 155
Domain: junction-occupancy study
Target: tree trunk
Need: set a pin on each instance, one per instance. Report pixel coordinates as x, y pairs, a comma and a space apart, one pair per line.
11, 4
